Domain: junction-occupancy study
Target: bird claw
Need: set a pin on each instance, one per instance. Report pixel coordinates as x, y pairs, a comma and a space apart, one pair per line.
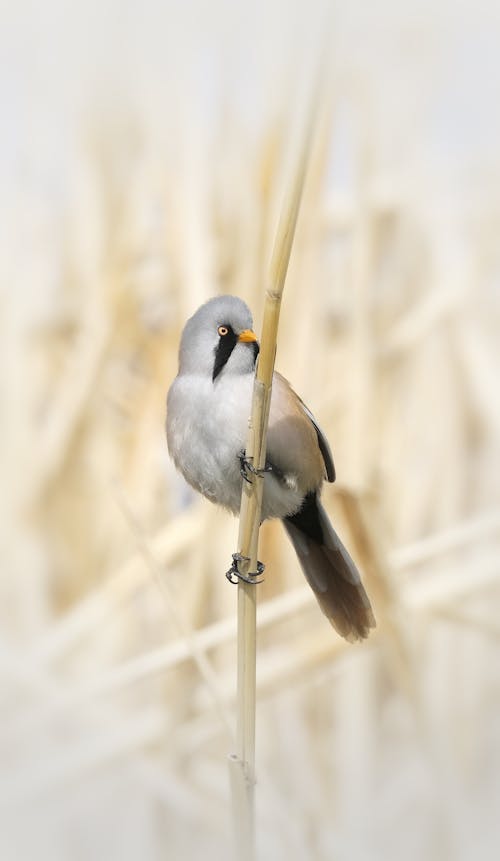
247, 466
233, 575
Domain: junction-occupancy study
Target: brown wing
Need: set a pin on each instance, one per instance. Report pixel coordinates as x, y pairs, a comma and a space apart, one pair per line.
323, 445
293, 430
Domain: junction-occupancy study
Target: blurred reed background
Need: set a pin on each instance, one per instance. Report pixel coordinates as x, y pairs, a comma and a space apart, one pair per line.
143, 153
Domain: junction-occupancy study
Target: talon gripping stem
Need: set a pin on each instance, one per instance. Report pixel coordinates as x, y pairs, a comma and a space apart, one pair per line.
233, 575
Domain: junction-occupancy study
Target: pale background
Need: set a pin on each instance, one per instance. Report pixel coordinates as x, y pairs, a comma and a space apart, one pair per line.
143, 154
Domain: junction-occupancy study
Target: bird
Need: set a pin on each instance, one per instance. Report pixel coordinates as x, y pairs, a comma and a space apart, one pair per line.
208, 408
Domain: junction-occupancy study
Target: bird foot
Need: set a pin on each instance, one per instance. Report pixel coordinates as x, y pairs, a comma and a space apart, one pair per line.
246, 466
233, 575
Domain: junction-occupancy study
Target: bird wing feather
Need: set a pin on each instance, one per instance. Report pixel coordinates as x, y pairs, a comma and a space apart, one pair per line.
293, 427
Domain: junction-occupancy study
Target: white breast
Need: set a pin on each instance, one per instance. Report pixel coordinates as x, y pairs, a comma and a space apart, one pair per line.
207, 427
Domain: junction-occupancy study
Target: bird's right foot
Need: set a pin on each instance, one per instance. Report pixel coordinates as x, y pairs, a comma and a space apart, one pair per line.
233, 575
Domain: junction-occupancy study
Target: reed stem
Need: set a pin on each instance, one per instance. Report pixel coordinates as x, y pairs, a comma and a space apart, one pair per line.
242, 763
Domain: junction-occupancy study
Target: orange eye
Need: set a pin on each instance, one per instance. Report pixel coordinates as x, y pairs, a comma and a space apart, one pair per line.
223, 330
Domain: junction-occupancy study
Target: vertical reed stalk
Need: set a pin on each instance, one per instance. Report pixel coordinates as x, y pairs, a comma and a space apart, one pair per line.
242, 763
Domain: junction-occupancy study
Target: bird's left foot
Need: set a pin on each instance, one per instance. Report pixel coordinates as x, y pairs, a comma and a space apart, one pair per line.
253, 577
246, 467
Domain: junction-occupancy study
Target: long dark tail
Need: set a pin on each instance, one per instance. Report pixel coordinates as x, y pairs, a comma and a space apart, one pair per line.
330, 571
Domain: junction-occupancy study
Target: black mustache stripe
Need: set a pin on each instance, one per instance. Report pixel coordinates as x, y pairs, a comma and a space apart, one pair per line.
223, 350
225, 347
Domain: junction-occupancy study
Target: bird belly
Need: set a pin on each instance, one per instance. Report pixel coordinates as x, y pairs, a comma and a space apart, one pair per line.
207, 429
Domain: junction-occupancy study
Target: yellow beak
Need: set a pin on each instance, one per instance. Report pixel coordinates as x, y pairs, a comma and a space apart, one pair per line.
247, 336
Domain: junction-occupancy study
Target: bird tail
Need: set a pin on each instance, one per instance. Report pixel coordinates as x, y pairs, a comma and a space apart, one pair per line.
330, 571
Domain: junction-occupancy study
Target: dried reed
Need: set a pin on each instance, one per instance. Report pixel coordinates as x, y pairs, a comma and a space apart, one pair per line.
242, 764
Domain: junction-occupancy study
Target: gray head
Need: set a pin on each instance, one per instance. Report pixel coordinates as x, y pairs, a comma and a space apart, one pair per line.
218, 339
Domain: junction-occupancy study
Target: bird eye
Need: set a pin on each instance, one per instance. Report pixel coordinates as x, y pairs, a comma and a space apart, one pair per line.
223, 330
